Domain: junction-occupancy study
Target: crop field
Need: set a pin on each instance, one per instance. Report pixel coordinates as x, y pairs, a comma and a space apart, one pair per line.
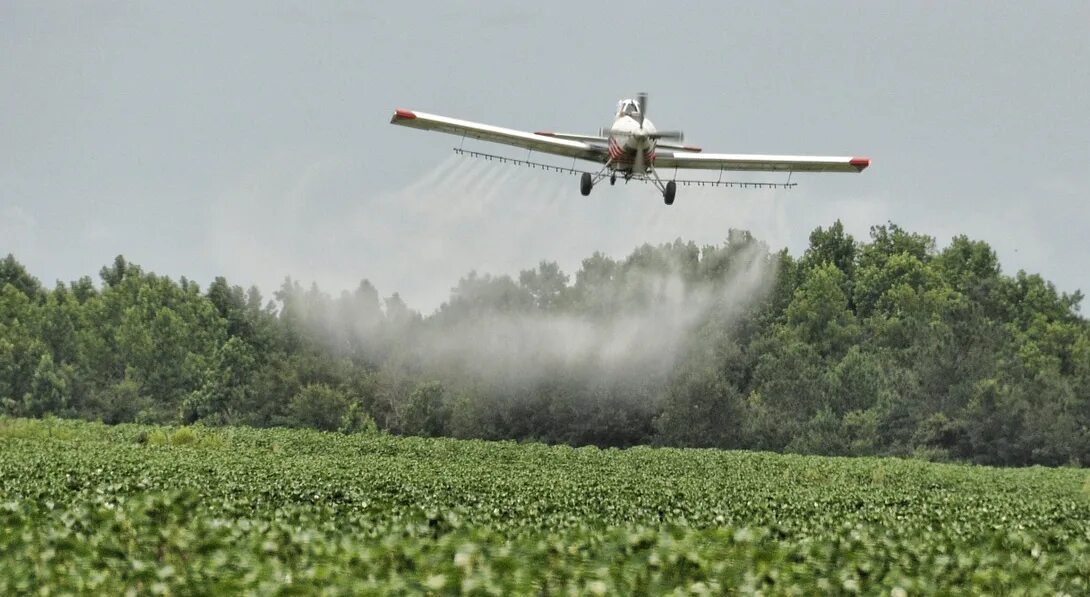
88, 508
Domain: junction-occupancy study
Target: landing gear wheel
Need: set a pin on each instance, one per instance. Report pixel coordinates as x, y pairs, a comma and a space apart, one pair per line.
613, 179
668, 194
585, 184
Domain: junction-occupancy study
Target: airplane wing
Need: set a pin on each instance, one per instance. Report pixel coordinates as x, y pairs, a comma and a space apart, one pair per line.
576, 137
485, 132
760, 163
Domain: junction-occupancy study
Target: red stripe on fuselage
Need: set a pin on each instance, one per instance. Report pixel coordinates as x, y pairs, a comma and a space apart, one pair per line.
627, 156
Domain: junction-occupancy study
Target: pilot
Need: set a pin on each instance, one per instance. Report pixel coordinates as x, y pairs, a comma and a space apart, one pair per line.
627, 108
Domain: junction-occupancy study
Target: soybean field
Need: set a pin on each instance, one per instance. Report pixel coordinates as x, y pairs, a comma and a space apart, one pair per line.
88, 508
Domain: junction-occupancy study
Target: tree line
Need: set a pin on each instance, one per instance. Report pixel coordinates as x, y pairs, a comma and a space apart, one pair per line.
888, 346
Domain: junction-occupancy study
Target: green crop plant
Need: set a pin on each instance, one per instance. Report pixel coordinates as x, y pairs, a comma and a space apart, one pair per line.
92, 509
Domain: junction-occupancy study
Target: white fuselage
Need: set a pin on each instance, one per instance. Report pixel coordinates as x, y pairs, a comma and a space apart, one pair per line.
631, 149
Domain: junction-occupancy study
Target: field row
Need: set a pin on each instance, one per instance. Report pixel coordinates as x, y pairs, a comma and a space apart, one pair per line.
99, 509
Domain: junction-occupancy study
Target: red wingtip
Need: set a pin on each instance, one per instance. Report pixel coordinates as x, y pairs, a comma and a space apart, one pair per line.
545, 134
860, 163
405, 114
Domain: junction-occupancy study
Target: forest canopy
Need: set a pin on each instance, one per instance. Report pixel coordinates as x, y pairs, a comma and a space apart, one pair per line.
889, 346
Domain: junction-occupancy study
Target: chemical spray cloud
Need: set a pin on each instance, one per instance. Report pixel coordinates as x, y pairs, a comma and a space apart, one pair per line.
466, 215
650, 317
638, 330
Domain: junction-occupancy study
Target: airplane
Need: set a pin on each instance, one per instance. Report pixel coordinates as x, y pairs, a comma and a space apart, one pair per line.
632, 147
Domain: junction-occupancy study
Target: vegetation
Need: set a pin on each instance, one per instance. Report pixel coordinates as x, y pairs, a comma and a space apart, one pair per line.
98, 509
885, 347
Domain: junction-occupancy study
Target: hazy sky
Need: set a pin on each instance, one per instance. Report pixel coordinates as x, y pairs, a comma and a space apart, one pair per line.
251, 140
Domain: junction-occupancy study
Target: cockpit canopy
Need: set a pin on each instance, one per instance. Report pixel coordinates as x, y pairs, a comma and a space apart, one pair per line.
628, 107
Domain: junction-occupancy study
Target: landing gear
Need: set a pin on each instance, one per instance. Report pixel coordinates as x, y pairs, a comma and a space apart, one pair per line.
588, 180
669, 189
669, 192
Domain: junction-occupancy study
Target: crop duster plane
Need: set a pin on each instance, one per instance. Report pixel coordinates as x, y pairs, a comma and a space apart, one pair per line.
632, 148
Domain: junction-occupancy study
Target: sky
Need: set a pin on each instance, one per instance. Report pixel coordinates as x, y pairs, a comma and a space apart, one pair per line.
251, 140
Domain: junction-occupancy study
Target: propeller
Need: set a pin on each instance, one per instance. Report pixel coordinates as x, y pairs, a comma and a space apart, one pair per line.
668, 135
641, 101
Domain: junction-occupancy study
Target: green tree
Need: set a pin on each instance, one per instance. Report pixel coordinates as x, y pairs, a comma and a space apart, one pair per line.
121, 402
12, 272
114, 274
995, 419
319, 406
427, 414
832, 246
788, 389
48, 389
21, 346
857, 381
702, 409
226, 391
819, 314
546, 285
822, 434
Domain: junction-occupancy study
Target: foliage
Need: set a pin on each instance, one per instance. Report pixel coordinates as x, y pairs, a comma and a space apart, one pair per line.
93, 509
884, 346
320, 406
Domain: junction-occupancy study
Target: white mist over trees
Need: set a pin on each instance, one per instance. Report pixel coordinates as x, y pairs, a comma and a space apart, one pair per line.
889, 346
